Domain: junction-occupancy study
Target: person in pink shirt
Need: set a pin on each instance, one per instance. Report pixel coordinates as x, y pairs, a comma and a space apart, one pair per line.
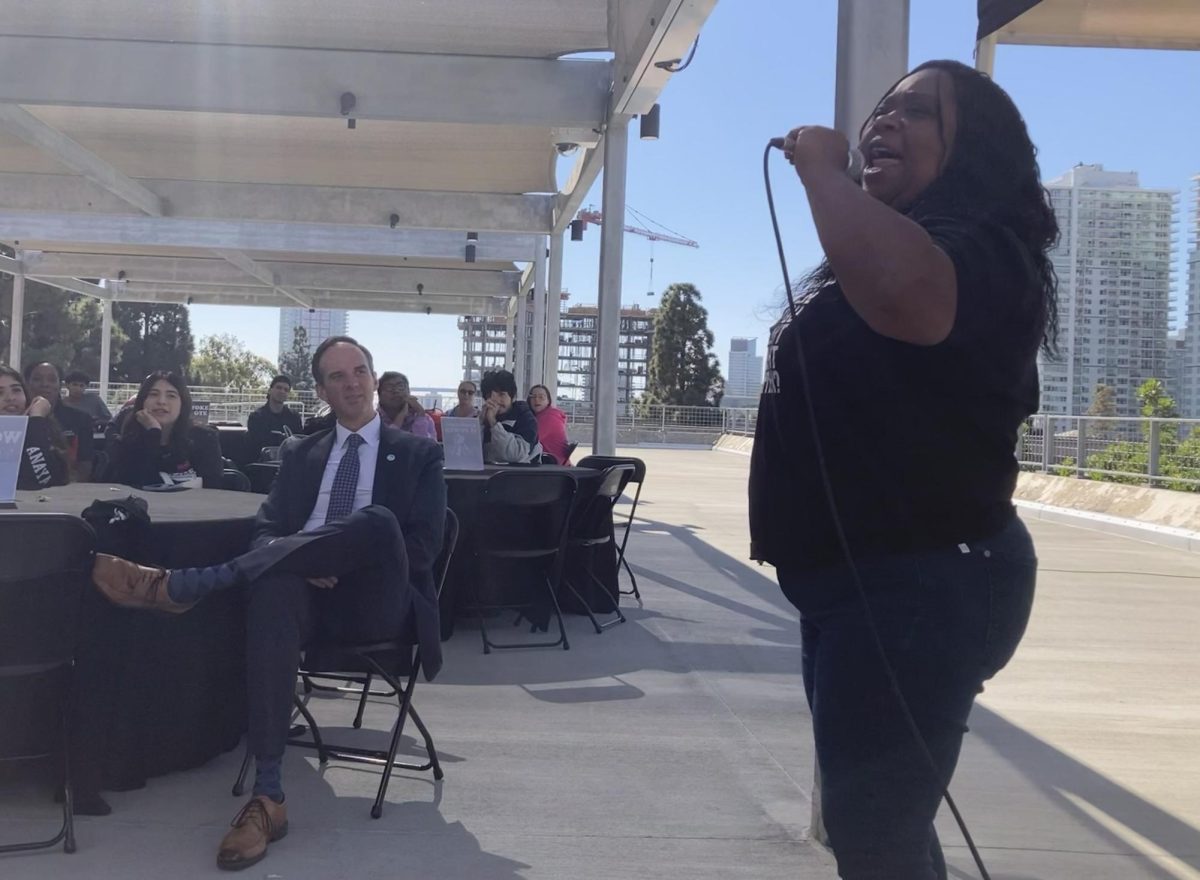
552, 424
398, 407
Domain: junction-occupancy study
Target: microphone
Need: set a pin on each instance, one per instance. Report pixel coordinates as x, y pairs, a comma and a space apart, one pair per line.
855, 162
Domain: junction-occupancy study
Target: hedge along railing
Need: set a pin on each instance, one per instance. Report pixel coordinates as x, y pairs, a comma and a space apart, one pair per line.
1146, 451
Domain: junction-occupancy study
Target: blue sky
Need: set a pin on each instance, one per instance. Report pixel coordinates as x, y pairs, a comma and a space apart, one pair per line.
763, 67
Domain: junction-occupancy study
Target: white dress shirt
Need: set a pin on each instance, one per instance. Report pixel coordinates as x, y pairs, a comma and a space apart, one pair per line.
368, 454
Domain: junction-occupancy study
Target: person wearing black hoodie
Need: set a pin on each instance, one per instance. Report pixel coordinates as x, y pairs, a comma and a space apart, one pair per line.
510, 434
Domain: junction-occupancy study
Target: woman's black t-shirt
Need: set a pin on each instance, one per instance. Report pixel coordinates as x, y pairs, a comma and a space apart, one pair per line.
919, 441
141, 459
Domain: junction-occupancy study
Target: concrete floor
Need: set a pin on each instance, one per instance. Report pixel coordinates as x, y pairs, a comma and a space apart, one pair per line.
676, 746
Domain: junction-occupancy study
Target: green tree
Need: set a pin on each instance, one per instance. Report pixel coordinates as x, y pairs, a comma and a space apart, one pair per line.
1104, 401
297, 362
1133, 456
224, 361
60, 327
157, 337
683, 371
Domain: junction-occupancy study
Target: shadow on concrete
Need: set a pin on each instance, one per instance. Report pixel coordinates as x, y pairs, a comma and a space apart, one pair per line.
1056, 775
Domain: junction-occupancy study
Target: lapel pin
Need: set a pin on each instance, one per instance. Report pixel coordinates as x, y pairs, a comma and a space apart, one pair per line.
391, 457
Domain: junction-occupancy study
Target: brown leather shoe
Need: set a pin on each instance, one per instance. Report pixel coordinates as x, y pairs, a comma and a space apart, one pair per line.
134, 586
260, 822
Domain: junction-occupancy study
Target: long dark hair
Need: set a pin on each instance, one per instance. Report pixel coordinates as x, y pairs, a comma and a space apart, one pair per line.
179, 441
992, 177
533, 388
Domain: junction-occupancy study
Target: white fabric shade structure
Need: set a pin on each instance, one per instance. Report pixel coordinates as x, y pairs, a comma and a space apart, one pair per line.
1127, 24
202, 151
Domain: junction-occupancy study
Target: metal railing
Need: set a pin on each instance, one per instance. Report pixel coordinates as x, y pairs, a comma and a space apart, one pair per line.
1144, 452
636, 422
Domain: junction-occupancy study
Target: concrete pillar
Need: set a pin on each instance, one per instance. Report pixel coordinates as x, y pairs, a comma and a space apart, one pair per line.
553, 312
872, 53
537, 335
608, 320
18, 315
521, 339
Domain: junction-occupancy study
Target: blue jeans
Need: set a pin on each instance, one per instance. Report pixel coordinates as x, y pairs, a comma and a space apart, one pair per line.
949, 619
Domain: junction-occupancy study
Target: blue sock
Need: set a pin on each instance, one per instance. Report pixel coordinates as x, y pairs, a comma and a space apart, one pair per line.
190, 584
268, 778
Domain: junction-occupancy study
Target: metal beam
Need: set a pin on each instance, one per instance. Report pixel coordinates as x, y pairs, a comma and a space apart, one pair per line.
345, 300
254, 270
666, 32
11, 265
537, 337
553, 311
75, 285
359, 206
106, 324
301, 276
280, 81
299, 238
20, 122
583, 174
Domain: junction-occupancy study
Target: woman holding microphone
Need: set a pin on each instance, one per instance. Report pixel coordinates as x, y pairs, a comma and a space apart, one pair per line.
919, 333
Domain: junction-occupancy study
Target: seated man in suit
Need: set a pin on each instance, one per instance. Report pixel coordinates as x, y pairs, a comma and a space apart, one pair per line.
344, 549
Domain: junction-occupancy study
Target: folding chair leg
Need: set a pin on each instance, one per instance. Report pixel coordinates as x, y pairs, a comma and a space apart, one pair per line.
429, 746
322, 752
68, 806
397, 730
239, 784
362, 702
632, 579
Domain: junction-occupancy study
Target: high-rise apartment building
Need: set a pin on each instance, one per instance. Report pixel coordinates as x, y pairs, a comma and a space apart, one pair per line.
745, 369
1114, 283
319, 324
1189, 379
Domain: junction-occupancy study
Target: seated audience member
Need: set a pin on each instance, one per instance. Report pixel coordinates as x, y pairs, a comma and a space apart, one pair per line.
42, 379
397, 407
274, 421
344, 549
466, 408
551, 424
159, 445
77, 382
510, 430
44, 461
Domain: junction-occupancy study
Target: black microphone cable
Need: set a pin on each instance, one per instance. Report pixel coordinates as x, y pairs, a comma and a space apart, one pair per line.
844, 544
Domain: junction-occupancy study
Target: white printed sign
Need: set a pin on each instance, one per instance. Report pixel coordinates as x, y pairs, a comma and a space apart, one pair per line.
462, 440
12, 450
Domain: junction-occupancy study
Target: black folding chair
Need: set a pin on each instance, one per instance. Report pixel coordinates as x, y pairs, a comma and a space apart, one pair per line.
234, 480
638, 478
387, 660
269, 453
524, 517
45, 565
592, 527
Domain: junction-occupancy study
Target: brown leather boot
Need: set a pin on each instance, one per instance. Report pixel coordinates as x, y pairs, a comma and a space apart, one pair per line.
134, 586
260, 822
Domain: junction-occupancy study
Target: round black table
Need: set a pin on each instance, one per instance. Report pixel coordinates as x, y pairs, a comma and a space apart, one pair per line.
464, 492
157, 693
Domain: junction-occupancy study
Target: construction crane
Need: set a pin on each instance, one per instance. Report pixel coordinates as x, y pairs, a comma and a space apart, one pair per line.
591, 215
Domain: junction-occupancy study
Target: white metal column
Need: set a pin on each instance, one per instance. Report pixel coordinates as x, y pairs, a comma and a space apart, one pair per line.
521, 340
553, 313
510, 335
106, 323
872, 53
537, 335
985, 55
608, 321
18, 313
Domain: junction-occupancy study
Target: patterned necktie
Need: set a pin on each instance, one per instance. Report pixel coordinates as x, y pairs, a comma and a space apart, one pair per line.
345, 481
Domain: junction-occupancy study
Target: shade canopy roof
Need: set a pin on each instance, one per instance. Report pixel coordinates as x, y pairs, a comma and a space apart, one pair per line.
203, 150
1131, 24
